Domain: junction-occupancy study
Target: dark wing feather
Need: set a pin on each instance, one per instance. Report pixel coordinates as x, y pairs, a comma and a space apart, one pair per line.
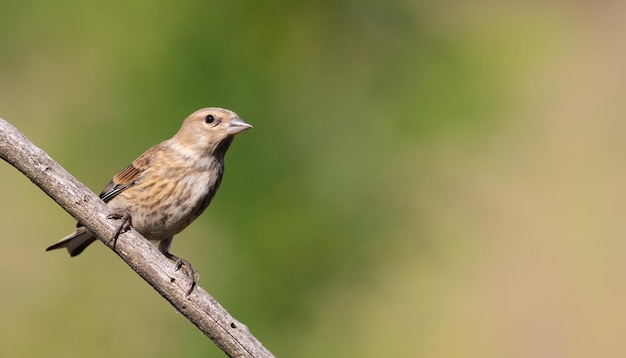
130, 175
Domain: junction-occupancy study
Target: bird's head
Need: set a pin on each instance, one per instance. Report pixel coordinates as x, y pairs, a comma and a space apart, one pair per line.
210, 131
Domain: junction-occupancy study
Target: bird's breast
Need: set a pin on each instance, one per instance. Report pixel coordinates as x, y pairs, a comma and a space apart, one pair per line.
165, 202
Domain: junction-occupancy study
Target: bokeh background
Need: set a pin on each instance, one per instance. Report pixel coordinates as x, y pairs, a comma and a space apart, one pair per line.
424, 178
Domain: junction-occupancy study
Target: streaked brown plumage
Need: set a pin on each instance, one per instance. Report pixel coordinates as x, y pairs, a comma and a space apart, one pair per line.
170, 185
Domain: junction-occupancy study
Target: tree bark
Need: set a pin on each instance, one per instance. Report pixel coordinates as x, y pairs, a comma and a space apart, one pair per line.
199, 307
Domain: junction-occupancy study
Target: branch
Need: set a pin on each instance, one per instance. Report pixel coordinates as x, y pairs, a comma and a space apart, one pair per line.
200, 308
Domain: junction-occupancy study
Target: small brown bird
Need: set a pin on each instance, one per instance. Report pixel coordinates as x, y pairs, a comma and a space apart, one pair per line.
169, 185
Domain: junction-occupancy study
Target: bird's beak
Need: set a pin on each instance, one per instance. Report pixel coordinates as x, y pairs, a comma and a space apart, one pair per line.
236, 126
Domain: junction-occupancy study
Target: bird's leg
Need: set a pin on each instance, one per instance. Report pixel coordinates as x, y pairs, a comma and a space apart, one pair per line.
124, 226
194, 276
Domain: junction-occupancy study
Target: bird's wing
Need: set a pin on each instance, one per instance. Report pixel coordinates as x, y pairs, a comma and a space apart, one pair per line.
130, 175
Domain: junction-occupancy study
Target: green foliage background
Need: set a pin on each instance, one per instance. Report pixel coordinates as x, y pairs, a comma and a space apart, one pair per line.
424, 178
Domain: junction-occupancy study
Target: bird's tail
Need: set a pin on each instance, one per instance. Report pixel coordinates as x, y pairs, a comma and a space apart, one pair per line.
76, 242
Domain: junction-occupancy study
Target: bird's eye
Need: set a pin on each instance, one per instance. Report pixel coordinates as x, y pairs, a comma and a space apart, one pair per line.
209, 118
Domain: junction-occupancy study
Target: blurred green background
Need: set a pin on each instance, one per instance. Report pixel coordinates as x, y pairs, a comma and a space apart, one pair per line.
424, 178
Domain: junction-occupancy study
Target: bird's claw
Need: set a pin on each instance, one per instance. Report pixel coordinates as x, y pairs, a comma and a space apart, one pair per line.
122, 227
194, 276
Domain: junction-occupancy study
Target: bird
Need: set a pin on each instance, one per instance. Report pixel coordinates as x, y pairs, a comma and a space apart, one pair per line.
167, 187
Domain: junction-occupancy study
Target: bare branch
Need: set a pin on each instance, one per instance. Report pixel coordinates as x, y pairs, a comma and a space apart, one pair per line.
200, 308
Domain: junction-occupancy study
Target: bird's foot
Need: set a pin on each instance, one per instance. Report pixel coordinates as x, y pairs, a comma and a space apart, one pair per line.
123, 226
194, 276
